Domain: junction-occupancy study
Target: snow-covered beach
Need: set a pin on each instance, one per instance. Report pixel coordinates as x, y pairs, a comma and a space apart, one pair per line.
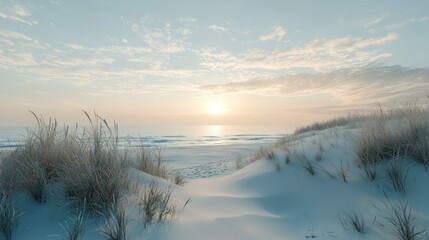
309, 185
208, 120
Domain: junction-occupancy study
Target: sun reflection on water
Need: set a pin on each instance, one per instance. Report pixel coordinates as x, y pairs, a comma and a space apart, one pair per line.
215, 130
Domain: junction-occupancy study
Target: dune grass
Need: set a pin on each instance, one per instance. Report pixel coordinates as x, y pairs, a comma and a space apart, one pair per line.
263, 153
404, 222
33, 164
88, 165
397, 174
178, 179
370, 170
240, 162
352, 220
343, 171
75, 231
308, 166
115, 223
334, 122
386, 132
149, 160
268, 153
155, 204
8, 216
94, 174
402, 131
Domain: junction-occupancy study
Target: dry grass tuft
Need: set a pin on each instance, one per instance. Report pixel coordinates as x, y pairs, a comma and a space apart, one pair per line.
149, 160
179, 179
335, 122
240, 162
352, 220
343, 171
397, 174
156, 204
370, 170
404, 222
309, 167
115, 223
263, 153
76, 231
8, 216
400, 130
95, 175
33, 164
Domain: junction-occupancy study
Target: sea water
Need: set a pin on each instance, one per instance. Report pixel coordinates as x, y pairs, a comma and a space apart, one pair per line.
172, 136
192, 151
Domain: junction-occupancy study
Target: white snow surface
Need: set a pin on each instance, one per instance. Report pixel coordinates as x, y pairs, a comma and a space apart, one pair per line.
259, 201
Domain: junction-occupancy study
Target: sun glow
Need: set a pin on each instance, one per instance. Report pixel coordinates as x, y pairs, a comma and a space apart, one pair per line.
216, 110
215, 106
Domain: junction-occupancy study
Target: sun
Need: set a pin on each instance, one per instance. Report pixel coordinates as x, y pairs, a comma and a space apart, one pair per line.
215, 106
216, 110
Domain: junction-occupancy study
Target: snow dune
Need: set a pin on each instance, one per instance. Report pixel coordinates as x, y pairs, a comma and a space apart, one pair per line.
267, 199
260, 202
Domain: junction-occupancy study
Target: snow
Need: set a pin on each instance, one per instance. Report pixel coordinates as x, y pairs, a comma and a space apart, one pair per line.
195, 162
259, 201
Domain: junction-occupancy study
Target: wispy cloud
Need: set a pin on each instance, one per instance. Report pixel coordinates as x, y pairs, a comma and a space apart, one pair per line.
104, 78
217, 60
186, 32
162, 40
158, 88
123, 51
74, 46
159, 41
17, 13
14, 35
277, 34
218, 28
187, 19
370, 22
81, 65
319, 55
399, 24
20, 50
395, 26
351, 85
422, 19
82, 62
18, 60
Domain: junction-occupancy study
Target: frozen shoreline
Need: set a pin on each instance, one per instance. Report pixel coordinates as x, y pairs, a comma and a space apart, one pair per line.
195, 162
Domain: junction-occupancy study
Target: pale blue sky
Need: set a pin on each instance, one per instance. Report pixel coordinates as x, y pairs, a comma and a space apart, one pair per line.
209, 62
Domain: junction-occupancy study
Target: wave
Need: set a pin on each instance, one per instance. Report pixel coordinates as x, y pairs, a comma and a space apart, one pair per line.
11, 140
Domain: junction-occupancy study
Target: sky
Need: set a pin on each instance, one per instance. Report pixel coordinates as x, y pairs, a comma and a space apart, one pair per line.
209, 62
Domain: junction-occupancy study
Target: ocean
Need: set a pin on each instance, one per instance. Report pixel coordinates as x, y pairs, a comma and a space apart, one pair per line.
173, 136
192, 151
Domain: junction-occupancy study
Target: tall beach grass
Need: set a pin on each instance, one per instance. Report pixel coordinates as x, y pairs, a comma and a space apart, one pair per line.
390, 132
86, 162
